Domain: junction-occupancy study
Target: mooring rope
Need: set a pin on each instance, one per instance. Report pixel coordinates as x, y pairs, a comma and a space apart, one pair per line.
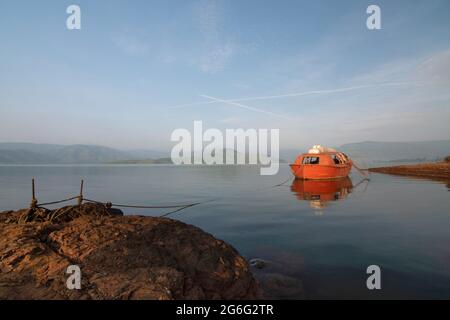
179, 209
363, 172
56, 202
282, 183
141, 207
361, 182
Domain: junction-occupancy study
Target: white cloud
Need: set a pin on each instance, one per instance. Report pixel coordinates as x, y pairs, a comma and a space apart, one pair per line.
243, 106
435, 69
216, 58
216, 49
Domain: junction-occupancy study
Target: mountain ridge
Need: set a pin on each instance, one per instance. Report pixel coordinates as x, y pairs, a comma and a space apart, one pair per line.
412, 151
367, 151
31, 153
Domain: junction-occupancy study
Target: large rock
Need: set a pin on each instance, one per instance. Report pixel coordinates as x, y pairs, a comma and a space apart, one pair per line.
121, 257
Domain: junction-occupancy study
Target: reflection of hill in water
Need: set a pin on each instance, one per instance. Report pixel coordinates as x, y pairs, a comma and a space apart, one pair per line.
321, 192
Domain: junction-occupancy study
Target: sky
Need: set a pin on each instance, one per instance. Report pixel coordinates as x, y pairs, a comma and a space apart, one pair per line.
137, 70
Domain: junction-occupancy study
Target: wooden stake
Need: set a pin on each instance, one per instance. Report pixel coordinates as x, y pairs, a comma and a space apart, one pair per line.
33, 204
32, 189
80, 198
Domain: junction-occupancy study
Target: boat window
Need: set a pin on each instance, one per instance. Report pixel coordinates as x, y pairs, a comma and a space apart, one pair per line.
335, 159
311, 160
342, 158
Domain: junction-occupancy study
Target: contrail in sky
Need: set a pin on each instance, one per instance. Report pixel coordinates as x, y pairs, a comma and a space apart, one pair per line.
306, 93
298, 94
243, 106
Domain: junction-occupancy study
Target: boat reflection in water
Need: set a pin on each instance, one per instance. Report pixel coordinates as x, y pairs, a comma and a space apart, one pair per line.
320, 192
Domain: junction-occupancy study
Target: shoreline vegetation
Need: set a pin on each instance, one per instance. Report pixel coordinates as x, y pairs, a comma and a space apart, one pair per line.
120, 257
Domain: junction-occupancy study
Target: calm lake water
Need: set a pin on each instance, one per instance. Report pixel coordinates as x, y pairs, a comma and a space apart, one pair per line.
316, 240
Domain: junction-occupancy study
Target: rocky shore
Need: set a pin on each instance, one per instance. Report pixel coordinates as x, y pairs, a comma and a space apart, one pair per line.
438, 171
120, 257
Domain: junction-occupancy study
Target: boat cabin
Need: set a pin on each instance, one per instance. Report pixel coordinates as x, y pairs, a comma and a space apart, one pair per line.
320, 164
335, 158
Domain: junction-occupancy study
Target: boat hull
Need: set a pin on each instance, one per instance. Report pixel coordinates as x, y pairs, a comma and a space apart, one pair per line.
320, 172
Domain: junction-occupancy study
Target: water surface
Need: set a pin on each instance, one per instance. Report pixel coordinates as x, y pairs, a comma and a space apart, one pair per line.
316, 241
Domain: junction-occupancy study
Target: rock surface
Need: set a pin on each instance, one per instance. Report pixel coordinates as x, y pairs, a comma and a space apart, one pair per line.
280, 275
121, 257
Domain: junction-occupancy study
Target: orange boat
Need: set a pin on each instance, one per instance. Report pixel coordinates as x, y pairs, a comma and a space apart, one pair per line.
321, 163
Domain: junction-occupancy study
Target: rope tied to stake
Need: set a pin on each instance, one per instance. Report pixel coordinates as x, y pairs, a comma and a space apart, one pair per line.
37, 210
142, 207
56, 202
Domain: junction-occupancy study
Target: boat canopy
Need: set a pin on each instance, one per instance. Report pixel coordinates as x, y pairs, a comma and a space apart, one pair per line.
317, 149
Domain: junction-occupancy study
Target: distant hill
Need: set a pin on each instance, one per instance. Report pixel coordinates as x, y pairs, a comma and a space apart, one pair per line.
24, 157
375, 151
369, 152
30, 153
